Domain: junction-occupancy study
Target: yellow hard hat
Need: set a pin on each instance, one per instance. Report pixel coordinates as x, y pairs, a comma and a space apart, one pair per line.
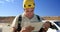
28, 4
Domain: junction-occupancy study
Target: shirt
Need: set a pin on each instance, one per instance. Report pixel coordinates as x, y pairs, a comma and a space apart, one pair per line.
25, 21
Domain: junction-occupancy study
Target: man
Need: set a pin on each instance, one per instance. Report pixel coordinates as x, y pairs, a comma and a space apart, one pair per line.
27, 17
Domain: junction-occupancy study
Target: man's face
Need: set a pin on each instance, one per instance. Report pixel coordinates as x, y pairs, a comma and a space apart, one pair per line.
29, 12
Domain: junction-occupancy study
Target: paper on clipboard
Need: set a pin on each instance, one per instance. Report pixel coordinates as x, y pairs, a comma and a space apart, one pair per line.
37, 25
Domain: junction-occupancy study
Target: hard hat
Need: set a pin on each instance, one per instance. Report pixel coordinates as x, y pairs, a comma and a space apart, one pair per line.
28, 4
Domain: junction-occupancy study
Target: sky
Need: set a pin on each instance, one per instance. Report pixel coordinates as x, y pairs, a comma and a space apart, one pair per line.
42, 7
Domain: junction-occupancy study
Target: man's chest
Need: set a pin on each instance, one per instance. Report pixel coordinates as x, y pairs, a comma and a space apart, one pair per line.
29, 20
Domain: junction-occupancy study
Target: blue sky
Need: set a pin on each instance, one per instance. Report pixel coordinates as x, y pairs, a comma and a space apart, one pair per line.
42, 8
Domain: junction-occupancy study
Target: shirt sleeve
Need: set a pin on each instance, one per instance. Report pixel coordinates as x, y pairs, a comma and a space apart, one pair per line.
15, 22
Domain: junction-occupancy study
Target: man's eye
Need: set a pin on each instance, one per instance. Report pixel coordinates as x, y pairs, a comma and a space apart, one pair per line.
27, 11
32, 10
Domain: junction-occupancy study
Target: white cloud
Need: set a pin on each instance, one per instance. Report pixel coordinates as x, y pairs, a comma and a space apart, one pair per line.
2, 2
9, 0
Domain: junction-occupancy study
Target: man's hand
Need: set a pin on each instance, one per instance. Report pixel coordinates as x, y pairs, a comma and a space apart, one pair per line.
27, 29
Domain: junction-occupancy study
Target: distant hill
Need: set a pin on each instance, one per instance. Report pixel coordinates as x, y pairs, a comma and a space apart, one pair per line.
9, 19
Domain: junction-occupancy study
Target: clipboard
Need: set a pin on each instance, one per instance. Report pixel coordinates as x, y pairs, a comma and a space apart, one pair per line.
37, 25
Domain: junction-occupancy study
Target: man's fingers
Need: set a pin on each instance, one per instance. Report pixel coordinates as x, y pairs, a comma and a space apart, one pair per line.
30, 28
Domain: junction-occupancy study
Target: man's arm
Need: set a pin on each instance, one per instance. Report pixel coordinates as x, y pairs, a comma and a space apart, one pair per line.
14, 24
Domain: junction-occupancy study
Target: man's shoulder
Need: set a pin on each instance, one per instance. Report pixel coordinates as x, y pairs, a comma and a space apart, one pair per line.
38, 16
19, 15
